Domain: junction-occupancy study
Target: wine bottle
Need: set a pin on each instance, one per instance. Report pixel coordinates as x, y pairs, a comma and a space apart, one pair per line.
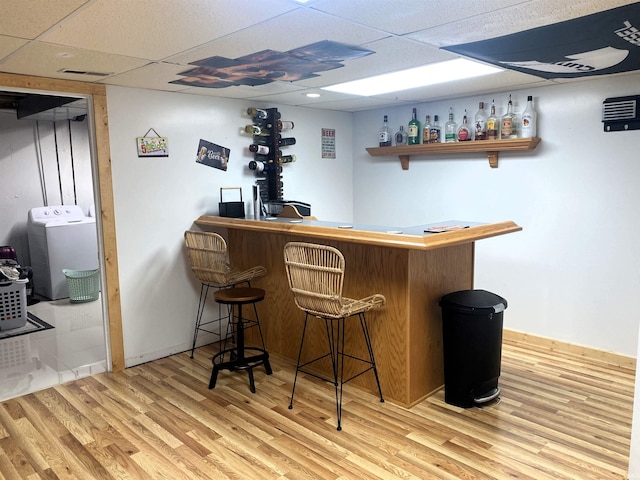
257, 130
435, 132
283, 142
529, 117
284, 125
426, 129
257, 112
507, 124
401, 136
384, 137
258, 148
413, 135
464, 132
480, 123
257, 166
287, 159
450, 128
493, 124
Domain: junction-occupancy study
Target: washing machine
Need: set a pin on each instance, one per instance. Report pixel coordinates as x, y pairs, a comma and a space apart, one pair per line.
60, 237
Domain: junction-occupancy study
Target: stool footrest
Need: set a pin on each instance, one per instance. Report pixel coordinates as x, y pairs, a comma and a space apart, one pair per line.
235, 363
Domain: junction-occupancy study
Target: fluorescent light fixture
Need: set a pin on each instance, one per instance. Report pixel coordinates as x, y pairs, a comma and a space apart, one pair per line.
431, 74
313, 95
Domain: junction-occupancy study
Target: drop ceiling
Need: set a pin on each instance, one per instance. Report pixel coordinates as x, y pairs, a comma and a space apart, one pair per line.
148, 43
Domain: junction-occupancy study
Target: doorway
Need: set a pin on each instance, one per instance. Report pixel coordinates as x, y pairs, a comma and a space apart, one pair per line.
97, 119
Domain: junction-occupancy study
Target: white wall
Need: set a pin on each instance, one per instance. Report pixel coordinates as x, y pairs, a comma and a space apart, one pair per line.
573, 273
33, 174
157, 199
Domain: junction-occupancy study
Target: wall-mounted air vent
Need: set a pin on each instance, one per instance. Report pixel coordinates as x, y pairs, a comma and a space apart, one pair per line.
621, 113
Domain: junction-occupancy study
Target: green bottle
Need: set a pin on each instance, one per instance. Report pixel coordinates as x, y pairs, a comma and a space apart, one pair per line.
413, 135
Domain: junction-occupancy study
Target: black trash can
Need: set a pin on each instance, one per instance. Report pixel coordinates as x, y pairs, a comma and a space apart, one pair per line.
472, 343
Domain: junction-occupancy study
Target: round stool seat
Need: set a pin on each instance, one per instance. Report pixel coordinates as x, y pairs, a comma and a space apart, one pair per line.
239, 295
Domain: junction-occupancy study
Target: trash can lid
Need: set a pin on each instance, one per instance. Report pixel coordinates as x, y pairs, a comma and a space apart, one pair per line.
479, 301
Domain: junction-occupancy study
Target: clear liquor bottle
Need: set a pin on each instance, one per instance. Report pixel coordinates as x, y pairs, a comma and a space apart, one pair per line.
464, 132
384, 137
508, 126
401, 136
529, 117
426, 129
413, 136
493, 124
480, 124
450, 128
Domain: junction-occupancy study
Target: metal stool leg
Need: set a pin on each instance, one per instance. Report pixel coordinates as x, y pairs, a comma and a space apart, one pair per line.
295, 378
204, 291
367, 339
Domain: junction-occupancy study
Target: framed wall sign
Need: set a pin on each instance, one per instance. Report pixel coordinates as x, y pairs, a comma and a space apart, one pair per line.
328, 143
152, 146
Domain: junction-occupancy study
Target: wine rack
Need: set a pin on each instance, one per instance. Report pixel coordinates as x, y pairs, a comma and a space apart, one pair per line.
267, 149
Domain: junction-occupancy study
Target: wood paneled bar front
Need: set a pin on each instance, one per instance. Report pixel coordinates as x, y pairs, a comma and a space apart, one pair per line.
411, 268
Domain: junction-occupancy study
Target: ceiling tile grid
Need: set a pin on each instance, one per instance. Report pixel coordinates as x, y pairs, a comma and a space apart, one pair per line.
150, 43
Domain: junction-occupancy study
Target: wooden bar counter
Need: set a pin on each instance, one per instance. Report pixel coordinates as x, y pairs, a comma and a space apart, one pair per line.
413, 270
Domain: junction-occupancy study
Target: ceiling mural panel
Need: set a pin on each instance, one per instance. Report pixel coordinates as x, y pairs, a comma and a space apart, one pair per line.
603, 43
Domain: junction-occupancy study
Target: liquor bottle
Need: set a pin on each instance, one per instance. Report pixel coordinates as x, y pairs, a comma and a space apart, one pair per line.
493, 124
426, 129
450, 128
529, 117
257, 148
401, 136
283, 142
284, 125
257, 113
480, 123
434, 134
286, 159
507, 124
257, 130
413, 136
384, 138
464, 132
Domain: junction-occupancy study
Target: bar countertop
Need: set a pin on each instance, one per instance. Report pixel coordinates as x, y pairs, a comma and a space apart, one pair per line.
414, 237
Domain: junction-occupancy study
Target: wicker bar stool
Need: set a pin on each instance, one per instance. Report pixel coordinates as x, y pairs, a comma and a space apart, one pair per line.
239, 357
316, 274
207, 253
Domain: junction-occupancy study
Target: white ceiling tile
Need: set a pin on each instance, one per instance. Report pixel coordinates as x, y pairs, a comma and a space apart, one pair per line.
511, 20
30, 19
391, 54
404, 16
43, 59
9, 45
155, 29
156, 76
291, 30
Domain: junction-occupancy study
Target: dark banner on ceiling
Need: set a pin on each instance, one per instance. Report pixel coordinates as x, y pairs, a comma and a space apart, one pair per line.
599, 44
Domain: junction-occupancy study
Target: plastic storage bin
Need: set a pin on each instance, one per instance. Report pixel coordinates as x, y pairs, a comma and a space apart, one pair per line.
84, 285
472, 341
13, 304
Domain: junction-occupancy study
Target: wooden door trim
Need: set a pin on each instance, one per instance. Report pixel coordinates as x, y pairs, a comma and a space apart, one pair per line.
96, 95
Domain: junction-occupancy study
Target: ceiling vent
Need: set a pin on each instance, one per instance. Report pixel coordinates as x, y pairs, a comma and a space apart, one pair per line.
83, 72
621, 113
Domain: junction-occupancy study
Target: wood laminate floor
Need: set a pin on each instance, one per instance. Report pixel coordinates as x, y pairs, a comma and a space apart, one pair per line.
560, 417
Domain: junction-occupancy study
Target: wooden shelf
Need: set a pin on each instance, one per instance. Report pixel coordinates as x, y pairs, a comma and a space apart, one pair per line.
490, 147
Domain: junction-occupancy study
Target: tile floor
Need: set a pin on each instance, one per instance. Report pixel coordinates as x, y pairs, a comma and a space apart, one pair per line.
75, 348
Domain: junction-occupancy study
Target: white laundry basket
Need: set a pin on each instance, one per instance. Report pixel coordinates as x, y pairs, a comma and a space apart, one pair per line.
13, 304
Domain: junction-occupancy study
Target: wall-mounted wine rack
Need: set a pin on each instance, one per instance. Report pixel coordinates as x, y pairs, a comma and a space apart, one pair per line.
268, 158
